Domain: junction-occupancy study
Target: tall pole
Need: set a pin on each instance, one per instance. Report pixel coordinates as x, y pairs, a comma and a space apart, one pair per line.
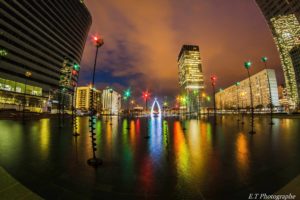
213, 79
247, 66
238, 100
94, 161
75, 73
111, 105
264, 60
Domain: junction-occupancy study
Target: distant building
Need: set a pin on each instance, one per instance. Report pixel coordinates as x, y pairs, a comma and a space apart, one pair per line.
282, 95
239, 95
83, 98
191, 80
111, 101
283, 19
37, 38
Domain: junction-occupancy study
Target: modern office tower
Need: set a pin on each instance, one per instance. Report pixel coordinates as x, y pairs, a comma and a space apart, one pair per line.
111, 101
190, 76
283, 19
238, 95
38, 39
83, 99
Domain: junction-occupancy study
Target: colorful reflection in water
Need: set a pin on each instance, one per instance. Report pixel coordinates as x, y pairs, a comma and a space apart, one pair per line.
242, 155
181, 159
44, 137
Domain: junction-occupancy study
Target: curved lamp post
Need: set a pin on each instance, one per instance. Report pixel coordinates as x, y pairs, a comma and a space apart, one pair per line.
264, 60
247, 65
94, 161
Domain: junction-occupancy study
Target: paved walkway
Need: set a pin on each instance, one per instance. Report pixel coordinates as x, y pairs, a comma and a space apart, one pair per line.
10, 188
292, 187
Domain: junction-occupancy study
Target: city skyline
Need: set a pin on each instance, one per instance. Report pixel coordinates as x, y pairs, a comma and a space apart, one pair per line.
129, 99
128, 56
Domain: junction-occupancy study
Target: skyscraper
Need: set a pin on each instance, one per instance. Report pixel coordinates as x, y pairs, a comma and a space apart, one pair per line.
190, 75
111, 101
39, 38
84, 98
283, 18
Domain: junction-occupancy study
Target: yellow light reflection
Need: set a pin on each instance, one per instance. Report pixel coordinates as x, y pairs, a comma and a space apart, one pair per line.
181, 152
44, 137
242, 154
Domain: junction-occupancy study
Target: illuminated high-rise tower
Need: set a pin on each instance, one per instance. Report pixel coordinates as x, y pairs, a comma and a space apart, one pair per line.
283, 18
190, 76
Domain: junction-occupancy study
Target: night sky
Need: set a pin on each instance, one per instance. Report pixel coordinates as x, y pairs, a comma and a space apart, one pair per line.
142, 39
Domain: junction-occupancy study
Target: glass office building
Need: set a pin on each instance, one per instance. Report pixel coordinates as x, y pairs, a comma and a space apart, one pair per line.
37, 37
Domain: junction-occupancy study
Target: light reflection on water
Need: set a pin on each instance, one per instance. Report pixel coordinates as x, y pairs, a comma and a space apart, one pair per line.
194, 158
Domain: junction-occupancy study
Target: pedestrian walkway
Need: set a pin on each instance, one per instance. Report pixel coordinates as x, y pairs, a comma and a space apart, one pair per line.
292, 187
10, 188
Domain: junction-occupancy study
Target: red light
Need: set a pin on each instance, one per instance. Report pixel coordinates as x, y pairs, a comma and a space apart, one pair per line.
146, 95
213, 78
96, 38
74, 72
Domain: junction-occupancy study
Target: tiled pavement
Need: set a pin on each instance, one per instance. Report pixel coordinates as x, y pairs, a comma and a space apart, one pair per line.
10, 188
292, 187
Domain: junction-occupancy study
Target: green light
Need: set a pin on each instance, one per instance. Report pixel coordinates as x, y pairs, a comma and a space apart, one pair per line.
237, 83
76, 67
127, 93
208, 98
165, 103
264, 59
3, 52
247, 64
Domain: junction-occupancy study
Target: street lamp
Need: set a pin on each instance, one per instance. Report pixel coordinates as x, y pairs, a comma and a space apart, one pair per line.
146, 96
111, 104
75, 74
264, 60
213, 79
237, 84
94, 161
127, 94
247, 65
27, 75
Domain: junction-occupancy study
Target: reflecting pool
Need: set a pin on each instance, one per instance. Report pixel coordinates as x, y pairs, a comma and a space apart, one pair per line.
152, 158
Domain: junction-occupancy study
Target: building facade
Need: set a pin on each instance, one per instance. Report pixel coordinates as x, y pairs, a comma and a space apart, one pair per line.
190, 74
83, 98
111, 102
238, 95
295, 57
283, 18
40, 38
